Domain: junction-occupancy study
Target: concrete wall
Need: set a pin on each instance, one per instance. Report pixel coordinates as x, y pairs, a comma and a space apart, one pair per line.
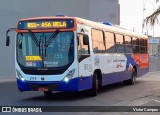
154, 46
12, 10
104, 10
154, 64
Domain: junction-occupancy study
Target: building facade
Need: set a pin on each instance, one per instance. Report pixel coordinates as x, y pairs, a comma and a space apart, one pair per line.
154, 46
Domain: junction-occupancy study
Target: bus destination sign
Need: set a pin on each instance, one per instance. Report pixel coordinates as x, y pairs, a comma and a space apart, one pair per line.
46, 24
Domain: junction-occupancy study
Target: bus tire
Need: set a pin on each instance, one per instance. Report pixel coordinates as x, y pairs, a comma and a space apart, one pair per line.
48, 93
93, 91
131, 81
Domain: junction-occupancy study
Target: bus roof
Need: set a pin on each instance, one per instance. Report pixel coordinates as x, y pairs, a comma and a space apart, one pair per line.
92, 24
109, 28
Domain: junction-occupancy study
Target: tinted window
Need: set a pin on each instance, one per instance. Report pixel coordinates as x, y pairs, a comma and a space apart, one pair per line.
128, 45
109, 41
98, 41
135, 43
119, 43
142, 46
127, 40
59, 53
82, 49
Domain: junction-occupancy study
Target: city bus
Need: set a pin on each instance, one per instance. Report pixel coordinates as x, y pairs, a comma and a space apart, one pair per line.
61, 53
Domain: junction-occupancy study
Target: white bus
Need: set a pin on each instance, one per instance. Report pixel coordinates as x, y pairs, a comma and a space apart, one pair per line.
74, 54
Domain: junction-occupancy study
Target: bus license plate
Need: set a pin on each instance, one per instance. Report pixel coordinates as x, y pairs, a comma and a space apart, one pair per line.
43, 89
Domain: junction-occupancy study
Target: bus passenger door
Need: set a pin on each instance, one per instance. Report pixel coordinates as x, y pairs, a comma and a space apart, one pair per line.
85, 62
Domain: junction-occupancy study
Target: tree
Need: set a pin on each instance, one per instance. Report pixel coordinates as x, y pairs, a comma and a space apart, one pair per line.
153, 18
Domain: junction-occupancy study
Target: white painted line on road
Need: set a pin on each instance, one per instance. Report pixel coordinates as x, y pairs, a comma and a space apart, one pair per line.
157, 101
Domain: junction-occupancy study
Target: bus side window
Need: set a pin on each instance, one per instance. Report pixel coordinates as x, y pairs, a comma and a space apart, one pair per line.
82, 49
98, 41
135, 43
109, 41
128, 45
119, 43
142, 45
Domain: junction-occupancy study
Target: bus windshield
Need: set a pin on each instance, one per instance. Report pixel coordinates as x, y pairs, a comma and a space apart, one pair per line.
43, 50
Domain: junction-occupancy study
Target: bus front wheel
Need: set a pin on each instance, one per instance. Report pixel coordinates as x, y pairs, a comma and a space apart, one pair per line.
93, 91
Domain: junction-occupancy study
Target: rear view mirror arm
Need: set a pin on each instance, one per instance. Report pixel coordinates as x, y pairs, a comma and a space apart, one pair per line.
10, 29
7, 36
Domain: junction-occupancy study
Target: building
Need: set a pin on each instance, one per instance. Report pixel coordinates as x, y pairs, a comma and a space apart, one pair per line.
13, 10
154, 46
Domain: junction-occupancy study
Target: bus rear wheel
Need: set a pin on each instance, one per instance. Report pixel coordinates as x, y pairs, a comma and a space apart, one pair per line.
47, 93
93, 91
131, 81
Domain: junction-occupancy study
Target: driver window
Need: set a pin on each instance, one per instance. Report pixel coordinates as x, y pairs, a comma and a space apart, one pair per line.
82, 49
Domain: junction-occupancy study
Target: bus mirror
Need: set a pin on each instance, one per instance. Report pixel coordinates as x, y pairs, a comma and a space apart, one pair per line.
85, 39
20, 44
7, 37
7, 41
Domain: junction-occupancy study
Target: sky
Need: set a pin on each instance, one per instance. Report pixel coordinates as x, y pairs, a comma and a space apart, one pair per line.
132, 13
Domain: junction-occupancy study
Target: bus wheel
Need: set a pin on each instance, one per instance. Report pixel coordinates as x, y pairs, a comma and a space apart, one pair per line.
131, 81
93, 91
47, 93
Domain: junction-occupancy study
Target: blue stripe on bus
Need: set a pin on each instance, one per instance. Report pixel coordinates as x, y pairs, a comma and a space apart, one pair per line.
78, 84
140, 71
130, 60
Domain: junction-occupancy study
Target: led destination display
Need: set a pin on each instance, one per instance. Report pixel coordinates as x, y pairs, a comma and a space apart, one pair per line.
46, 24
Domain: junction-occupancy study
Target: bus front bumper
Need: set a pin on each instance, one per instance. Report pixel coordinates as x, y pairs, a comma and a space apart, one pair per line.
76, 84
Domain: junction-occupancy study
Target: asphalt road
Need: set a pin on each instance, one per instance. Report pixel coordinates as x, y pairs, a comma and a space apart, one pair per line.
146, 92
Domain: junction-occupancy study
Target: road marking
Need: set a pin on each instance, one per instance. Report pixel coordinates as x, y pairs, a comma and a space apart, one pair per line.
157, 101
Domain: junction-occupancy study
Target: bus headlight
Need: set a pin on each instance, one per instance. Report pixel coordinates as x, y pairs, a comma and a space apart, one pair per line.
19, 75
69, 75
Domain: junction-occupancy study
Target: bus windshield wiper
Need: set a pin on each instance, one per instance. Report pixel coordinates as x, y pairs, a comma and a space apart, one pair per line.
51, 38
34, 38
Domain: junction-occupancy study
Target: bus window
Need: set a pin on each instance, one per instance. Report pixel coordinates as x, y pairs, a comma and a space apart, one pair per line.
127, 40
98, 41
145, 45
109, 41
119, 43
135, 43
142, 46
128, 45
82, 49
